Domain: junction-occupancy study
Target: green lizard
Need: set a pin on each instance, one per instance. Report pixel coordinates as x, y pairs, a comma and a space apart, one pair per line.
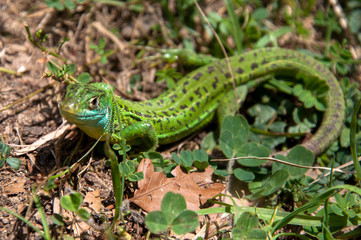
195, 100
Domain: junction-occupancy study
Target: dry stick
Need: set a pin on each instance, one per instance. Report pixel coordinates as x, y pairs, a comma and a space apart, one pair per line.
339, 167
227, 61
107, 33
28, 96
120, 46
41, 141
163, 29
222, 47
286, 163
38, 45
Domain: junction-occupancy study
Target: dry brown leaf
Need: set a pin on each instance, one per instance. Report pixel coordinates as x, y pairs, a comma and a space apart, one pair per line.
16, 186
94, 201
196, 187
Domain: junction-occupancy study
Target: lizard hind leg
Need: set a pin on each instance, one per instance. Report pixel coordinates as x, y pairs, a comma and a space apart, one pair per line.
230, 103
233, 99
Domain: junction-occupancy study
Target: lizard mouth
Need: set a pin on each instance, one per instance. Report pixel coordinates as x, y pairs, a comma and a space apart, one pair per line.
80, 118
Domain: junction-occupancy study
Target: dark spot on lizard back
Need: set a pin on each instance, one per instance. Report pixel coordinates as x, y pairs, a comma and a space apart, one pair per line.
214, 83
138, 113
184, 90
226, 85
210, 69
173, 97
240, 70
165, 113
198, 93
197, 76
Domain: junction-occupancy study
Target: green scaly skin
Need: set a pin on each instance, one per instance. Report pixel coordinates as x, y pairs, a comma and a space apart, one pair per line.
195, 100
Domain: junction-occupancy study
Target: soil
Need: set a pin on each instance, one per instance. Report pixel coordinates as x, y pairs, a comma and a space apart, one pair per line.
24, 123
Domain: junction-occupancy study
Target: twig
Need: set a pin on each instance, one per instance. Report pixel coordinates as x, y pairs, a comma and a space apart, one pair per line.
28, 96
222, 47
283, 162
38, 45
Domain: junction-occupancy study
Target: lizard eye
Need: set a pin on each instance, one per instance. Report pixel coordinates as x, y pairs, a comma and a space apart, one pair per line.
94, 102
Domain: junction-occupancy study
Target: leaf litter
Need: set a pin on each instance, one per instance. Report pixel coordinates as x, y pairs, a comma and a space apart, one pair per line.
196, 187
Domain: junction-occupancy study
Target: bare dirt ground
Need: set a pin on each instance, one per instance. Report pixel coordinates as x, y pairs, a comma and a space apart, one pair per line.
33, 118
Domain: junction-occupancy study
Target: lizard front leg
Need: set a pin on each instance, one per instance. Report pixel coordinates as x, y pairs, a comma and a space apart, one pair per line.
141, 135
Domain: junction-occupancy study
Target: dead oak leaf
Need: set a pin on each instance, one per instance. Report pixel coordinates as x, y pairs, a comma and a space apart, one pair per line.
196, 187
94, 201
16, 186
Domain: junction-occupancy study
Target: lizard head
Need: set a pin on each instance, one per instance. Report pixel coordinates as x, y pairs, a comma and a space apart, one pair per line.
88, 107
